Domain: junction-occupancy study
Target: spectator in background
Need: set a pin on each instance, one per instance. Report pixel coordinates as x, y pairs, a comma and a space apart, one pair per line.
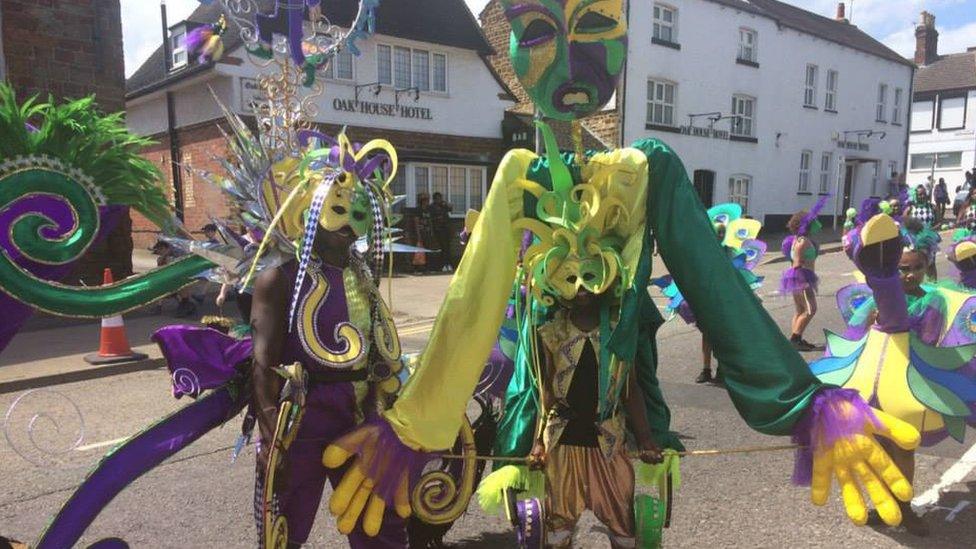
421, 232
166, 254
941, 195
893, 184
440, 222
210, 233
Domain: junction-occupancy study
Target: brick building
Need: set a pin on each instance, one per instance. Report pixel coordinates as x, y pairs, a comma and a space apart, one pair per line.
70, 49
422, 81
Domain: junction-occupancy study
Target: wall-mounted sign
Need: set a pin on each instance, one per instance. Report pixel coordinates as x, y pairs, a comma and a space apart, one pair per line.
704, 132
382, 109
853, 145
251, 95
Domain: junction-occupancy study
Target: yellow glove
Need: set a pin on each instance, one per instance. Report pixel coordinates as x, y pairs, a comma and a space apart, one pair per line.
861, 457
355, 495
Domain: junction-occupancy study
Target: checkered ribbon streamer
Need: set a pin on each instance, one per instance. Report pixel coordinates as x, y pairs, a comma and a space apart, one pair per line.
378, 235
308, 238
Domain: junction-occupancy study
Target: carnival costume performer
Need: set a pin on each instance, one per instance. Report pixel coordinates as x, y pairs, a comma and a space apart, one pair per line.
895, 366
800, 279
920, 206
739, 237
594, 221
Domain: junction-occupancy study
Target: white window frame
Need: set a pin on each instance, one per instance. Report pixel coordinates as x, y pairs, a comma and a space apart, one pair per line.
177, 44
413, 186
896, 107
875, 177
881, 111
748, 52
388, 78
331, 72
803, 183
736, 183
741, 119
653, 101
826, 162
830, 93
659, 23
810, 76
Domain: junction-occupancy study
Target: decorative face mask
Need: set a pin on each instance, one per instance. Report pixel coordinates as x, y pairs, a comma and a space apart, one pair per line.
569, 54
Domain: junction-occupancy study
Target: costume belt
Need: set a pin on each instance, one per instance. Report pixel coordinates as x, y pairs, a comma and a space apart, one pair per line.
325, 377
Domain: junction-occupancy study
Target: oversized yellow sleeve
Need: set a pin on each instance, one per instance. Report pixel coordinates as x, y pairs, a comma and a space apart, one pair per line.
428, 413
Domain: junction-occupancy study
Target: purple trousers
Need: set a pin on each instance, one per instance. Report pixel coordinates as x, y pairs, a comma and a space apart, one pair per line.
330, 413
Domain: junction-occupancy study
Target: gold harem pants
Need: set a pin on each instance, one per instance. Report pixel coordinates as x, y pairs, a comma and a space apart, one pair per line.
580, 478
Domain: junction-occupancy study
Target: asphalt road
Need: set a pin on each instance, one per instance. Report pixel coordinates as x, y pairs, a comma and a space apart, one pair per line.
200, 499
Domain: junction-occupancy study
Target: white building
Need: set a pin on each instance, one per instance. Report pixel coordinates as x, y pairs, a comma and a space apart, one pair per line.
768, 105
943, 123
421, 81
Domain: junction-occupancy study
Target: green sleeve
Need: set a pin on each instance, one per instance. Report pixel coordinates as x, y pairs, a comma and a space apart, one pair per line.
769, 382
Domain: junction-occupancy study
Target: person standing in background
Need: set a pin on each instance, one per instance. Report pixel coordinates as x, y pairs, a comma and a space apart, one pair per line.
421, 232
440, 222
941, 195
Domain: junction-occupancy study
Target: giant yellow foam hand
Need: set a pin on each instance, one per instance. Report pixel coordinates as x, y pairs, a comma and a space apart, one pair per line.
857, 460
377, 476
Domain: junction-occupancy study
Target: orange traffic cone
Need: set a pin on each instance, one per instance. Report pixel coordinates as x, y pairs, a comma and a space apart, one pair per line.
113, 346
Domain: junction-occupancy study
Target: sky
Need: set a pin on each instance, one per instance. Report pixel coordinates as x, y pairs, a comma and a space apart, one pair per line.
891, 21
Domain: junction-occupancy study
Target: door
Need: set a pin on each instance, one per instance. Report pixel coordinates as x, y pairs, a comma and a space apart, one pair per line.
849, 171
705, 186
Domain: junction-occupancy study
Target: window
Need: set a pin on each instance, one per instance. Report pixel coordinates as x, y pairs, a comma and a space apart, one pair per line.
743, 107
825, 161
896, 107
177, 44
399, 188
421, 69
810, 88
411, 68
665, 23
952, 113
463, 187
660, 102
882, 110
401, 67
384, 65
341, 66
830, 97
739, 191
806, 157
923, 114
748, 42
874, 178
440, 72
936, 161
892, 170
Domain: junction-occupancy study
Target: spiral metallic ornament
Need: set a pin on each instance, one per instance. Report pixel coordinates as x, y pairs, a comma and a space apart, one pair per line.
44, 427
185, 382
439, 498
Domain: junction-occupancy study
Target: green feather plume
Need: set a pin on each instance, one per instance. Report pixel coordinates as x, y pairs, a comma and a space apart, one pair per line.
491, 491
81, 136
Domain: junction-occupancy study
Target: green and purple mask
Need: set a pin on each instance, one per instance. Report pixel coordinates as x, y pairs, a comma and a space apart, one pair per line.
569, 54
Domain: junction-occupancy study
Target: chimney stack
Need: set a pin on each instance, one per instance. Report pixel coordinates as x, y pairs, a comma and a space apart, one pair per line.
841, 12
926, 40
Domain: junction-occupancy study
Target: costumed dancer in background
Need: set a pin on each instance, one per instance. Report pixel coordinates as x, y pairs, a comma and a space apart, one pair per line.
595, 221
920, 207
800, 279
962, 255
895, 365
739, 238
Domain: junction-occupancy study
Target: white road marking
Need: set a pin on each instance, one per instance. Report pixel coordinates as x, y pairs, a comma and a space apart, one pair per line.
953, 475
102, 444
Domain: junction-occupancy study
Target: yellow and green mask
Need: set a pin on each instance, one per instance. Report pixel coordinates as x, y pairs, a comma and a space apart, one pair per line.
569, 54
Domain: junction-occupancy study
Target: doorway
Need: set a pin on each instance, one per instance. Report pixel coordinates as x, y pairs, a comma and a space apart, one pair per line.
849, 173
705, 186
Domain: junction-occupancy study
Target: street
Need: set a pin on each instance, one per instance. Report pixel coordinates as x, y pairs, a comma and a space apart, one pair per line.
200, 499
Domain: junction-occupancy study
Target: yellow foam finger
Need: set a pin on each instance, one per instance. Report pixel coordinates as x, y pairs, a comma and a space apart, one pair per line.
401, 499
343, 494
902, 433
883, 502
373, 519
892, 476
333, 457
820, 481
348, 520
851, 496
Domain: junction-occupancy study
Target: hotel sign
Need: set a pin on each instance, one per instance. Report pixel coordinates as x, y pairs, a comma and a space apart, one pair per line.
704, 132
373, 108
853, 145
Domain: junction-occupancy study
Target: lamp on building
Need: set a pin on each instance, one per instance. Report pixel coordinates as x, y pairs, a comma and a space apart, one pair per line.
375, 88
414, 89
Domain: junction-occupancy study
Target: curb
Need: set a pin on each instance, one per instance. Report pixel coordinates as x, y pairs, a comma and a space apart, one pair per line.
86, 374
